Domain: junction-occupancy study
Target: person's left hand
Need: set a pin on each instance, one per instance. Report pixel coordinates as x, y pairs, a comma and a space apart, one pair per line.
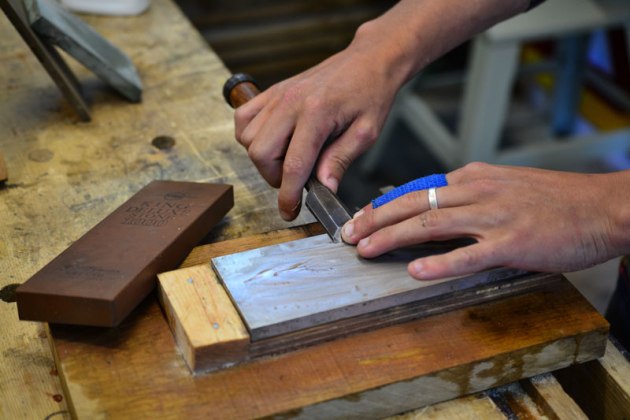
522, 218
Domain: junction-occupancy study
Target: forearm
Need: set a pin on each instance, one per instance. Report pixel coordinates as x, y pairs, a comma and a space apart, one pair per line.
416, 32
615, 205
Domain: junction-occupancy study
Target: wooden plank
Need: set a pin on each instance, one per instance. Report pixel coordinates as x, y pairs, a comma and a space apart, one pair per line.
601, 387
300, 284
67, 175
373, 374
383, 372
539, 397
553, 402
515, 403
206, 326
467, 408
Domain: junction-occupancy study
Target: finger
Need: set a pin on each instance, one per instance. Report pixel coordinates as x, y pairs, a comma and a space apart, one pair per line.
244, 116
433, 225
298, 164
336, 158
466, 260
404, 207
267, 150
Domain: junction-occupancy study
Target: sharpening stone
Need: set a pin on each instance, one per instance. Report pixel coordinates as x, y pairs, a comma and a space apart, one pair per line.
102, 276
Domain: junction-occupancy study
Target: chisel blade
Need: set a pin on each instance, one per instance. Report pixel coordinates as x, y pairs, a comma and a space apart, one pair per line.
327, 208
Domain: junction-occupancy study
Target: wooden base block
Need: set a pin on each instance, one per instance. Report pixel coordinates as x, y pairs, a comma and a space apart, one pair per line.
135, 370
207, 328
191, 306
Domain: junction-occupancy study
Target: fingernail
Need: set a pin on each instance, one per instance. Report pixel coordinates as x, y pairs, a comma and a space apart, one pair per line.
288, 216
348, 230
416, 268
357, 214
364, 242
332, 183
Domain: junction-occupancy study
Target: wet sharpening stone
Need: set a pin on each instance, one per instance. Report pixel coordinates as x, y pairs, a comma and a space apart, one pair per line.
102, 276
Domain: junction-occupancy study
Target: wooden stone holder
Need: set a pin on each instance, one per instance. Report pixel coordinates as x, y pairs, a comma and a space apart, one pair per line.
538, 325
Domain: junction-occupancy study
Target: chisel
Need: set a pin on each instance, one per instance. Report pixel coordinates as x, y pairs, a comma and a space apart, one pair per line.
323, 203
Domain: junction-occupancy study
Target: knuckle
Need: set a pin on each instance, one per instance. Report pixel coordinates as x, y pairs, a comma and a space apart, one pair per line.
291, 94
476, 167
256, 154
366, 134
365, 224
468, 259
244, 137
294, 165
369, 221
412, 200
314, 104
341, 161
240, 117
429, 220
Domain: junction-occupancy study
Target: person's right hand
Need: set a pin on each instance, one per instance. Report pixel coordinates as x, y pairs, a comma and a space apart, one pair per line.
333, 111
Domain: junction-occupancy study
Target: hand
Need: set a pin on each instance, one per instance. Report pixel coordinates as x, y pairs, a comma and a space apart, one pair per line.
336, 109
522, 218
344, 100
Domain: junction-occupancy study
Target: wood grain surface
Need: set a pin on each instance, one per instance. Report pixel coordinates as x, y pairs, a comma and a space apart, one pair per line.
4, 172
206, 325
601, 388
67, 175
372, 374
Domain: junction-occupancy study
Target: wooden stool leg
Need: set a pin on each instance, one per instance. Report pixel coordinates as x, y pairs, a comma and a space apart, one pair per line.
486, 98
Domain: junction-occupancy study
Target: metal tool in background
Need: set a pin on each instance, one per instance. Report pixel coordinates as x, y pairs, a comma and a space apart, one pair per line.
323, 203
43, 24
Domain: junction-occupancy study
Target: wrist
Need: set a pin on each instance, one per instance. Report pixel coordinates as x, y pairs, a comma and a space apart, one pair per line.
617, 194
384, 53
414, 33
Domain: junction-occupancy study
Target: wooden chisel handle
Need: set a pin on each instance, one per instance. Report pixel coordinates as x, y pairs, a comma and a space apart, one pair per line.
239, 89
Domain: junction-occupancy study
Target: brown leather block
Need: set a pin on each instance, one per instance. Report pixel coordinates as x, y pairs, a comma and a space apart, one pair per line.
102, 276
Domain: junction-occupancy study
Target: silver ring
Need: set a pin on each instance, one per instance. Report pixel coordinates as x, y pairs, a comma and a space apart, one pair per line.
433, 201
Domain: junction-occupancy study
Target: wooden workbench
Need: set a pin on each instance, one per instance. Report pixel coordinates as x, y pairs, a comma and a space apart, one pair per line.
65, 176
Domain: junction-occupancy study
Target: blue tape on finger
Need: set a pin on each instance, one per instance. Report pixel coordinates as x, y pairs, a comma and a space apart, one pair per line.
426, 182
